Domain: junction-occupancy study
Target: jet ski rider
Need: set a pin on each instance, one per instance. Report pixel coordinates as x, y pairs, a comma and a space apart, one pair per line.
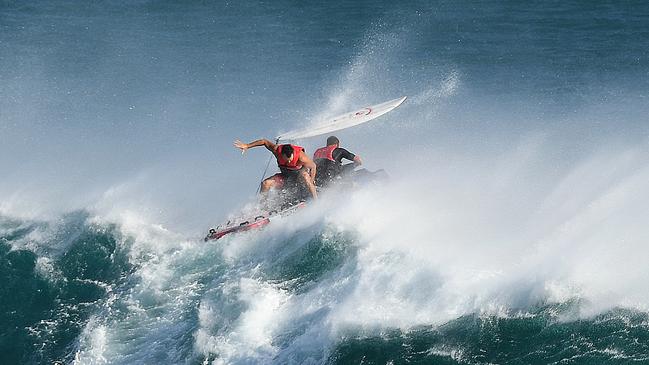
328, 159
293, 163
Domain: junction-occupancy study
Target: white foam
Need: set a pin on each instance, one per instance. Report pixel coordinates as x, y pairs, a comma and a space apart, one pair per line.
93, 344
435, 248
251, 337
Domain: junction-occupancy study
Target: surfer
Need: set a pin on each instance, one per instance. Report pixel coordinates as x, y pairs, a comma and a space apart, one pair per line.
294, 165
328, 159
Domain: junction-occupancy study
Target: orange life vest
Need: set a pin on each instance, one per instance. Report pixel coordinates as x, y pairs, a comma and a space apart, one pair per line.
325, 152
294, 164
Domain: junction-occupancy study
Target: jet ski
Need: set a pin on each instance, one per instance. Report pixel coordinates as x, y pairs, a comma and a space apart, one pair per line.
346, 176
289, 201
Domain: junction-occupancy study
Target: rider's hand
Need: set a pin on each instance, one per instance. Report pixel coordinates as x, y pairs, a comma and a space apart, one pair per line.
240, 145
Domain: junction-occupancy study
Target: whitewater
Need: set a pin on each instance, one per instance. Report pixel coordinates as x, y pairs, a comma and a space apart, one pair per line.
383, 265
513, 229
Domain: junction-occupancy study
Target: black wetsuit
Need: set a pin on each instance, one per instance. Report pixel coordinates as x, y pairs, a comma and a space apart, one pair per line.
329, 170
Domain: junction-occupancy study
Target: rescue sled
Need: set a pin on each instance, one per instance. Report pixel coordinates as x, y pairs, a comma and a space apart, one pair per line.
246, 224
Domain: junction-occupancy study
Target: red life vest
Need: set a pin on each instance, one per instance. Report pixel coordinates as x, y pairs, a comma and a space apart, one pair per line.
325, 152
294, 163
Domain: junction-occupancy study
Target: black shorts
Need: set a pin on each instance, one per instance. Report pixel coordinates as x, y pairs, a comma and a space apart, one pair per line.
286, 178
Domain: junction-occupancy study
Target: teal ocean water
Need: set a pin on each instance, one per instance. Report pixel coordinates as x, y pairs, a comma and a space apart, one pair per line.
512, 231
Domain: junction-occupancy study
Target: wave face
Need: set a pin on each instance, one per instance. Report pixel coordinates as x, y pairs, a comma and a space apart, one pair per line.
84, 292
53, 284
513, 229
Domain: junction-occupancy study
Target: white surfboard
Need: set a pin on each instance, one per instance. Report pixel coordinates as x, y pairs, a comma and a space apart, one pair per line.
343, 121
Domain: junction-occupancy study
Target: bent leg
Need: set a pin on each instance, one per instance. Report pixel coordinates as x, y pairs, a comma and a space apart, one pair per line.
274, 182
304, 176
267, 185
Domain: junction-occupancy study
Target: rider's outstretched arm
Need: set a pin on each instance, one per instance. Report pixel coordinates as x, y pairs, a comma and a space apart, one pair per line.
260, 142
